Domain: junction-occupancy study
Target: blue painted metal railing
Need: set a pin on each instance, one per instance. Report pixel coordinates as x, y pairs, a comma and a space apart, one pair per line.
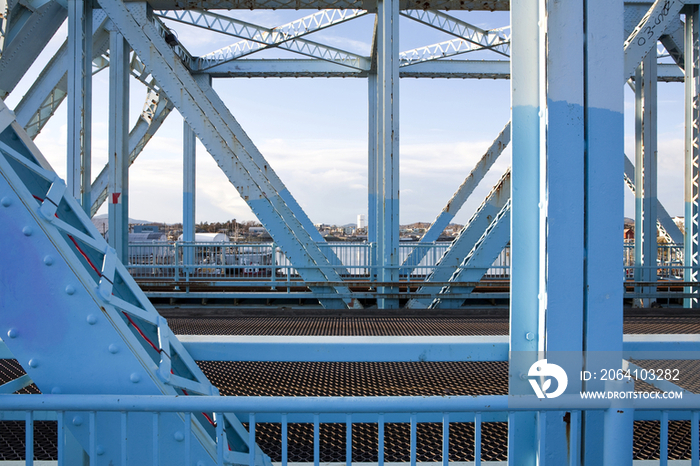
237, 261
250, 264
669, 261
243, 260
317, 410
78, 409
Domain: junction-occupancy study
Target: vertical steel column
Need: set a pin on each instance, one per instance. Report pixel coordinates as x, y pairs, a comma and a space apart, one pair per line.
80, 100
372, 111
388, 147
692, 148
645, 174
189, 168
566, 136
604, 210
562, 150
563, 203
525, 305
118, 145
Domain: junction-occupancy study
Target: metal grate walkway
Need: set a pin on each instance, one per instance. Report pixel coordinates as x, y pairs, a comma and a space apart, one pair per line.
235, 378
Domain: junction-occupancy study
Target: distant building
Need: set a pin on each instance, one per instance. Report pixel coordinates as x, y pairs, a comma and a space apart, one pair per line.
361, 221
257, 231
145, 228
208, 238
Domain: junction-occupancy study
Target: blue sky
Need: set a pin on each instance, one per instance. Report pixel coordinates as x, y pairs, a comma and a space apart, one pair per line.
313, 132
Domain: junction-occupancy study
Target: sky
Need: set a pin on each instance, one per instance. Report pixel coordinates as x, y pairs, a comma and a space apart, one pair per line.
313, 132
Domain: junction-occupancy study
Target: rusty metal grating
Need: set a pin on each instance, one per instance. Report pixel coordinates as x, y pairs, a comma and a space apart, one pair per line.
688, 372
400, 326
661, 325
357, 378
12, 440
374, 379
10, 369
337, 326
646, 440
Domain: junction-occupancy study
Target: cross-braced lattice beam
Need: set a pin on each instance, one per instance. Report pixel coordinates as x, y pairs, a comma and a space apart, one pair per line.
692, 151
667, 227
495, 40
444, 49
458, 199
470, 235
479, 259
256, 38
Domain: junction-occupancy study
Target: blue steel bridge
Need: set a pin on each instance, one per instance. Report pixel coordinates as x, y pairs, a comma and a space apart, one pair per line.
471, 351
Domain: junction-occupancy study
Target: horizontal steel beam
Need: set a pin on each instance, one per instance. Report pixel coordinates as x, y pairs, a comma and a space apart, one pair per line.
346, 348
666, 346
450, 69
288, 68
326, 404
369, 5
397, 348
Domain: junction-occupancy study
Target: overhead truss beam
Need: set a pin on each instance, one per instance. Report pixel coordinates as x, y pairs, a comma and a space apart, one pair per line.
256, 38
495, 40
369, 5
446, 69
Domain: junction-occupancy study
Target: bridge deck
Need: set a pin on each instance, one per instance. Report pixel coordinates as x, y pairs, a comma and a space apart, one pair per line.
236, 378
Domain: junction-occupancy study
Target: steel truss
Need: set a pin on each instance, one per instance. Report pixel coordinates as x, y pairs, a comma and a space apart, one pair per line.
49, 90
562, 219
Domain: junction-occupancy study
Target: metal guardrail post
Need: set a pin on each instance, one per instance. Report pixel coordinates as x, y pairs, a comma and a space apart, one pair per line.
176, 263
273, 259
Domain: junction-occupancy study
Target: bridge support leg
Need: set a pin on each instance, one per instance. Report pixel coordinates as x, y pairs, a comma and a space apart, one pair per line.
604, 207
189, 149
118, 145
387, 173
567, 135
372, 185
525, 307
692, 148
645, 247
79, 100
